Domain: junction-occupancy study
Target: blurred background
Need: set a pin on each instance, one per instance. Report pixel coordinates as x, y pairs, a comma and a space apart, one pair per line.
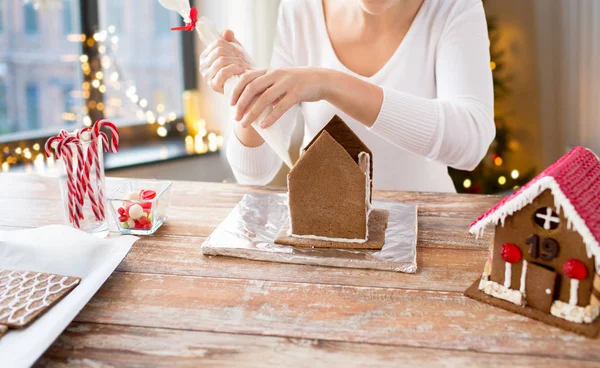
66, 63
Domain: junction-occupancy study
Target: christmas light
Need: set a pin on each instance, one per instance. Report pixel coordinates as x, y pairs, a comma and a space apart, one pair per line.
514, 174
161, 131
498, 161
467, 183
502, 180
30, 158
492, 65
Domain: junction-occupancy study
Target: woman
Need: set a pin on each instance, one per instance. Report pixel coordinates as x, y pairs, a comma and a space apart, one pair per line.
412, 78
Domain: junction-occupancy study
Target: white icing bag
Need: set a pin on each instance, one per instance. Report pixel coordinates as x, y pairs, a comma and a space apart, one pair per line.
208, 33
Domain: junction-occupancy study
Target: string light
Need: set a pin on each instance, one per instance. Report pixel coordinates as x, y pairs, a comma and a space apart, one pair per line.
110, 77
161, 131
493, 65
467, 183
514, 174
502, 180
498, 161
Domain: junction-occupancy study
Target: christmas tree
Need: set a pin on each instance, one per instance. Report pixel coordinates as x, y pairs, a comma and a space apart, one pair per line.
494, 175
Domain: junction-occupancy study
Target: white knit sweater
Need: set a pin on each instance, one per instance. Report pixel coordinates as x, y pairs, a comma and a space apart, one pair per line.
438, 96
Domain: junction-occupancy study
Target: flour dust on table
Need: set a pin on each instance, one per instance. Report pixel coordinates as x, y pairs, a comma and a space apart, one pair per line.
544, 259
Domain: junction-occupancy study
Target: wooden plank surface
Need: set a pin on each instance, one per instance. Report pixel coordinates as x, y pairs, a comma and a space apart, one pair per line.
92, 345
167, 305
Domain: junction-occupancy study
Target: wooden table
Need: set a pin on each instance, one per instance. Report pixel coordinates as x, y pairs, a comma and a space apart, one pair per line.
167, 305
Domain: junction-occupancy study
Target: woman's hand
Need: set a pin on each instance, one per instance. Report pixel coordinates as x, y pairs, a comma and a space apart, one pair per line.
280, 88
221, 60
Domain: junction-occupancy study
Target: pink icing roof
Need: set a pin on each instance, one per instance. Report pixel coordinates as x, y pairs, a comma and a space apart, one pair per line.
577, 175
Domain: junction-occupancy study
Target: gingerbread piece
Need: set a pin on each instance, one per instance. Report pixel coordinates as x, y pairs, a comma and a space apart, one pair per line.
329, 192
3, 330
545, 255
25, 295
378, 220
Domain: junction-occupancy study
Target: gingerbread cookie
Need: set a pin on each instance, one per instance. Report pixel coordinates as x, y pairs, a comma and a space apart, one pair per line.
26, 295
3, 330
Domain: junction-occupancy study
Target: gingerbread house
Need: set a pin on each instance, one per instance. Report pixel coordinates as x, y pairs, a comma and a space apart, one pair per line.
329, 194
545, 254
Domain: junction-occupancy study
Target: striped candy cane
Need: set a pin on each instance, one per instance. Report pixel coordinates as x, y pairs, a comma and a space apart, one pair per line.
84, 172
94, 157
64, 150
53, 141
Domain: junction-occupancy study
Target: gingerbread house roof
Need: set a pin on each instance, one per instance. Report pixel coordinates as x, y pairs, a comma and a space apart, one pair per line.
574, 181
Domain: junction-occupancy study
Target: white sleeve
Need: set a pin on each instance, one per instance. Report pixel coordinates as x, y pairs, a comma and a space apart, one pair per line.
259, 165
458, 126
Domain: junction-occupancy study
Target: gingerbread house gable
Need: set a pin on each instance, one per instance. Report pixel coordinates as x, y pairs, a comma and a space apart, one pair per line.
344, 135
328, 191
574, 182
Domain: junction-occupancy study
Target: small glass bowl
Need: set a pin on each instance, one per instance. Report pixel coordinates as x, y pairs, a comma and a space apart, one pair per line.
135, 215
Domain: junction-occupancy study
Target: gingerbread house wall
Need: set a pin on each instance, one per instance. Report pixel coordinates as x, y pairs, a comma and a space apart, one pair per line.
327, 193
521, 226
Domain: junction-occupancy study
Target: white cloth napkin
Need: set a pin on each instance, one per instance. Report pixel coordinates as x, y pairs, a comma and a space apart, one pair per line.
62, 250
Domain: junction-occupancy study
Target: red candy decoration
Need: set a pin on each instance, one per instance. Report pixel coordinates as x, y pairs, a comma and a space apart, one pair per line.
510, 253
575, 269
147, 194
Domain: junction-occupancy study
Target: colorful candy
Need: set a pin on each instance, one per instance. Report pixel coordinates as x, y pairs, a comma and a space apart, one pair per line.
137, 215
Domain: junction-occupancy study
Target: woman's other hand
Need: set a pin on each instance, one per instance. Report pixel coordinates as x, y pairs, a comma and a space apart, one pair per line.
280, 88
221, 60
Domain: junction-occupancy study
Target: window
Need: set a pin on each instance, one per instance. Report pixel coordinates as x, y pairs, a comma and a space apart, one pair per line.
113, 14
1, 16
31, 19
162, 21
33, 106
143, 75
32, 73
101, 58
4, 123
68, 19
546, 218
69, 103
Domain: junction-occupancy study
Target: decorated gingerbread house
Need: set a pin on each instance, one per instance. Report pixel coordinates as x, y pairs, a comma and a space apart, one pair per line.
545, 253
329, 192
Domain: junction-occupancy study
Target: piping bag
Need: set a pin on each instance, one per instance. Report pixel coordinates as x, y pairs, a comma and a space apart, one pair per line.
209, 33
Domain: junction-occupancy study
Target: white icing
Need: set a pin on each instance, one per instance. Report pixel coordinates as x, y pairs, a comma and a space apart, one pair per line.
18, 296
548, 291
548, 218
573, 292
316, 237
361, 156
574, 313
507, 274
523, 277
526, 197
365, 156
501, 292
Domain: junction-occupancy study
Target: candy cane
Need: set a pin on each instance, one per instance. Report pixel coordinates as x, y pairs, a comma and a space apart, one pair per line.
84, 172
64, 151
48, 147
114, 138
93, 155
